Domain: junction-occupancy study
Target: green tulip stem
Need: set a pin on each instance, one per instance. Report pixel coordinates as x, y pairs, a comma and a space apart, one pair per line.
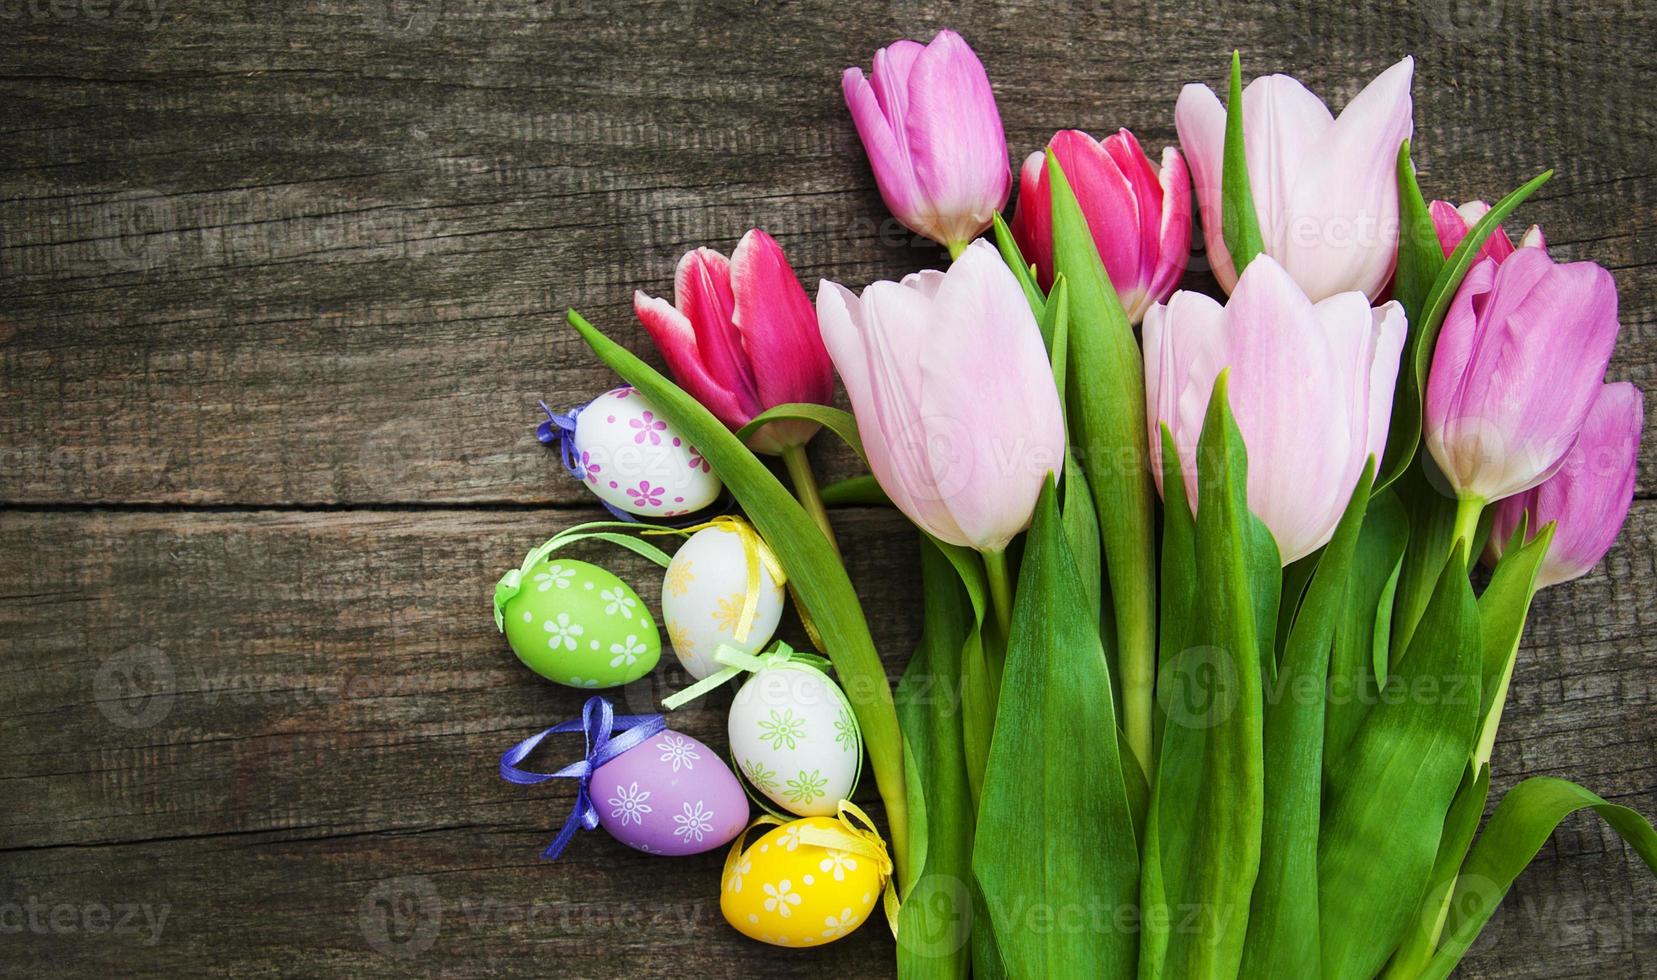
956, 248
1468, 509
1001, 592
1493, 719
805, 489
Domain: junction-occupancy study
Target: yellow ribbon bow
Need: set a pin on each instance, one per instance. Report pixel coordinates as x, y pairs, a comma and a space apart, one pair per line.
864, 841
756, 555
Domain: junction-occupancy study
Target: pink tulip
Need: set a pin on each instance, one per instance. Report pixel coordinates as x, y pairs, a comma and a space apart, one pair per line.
1325, 189
1588, 498
1140, 216
1453, 224
929, 124
1310, 387
953, 394
741, 337
1518, 364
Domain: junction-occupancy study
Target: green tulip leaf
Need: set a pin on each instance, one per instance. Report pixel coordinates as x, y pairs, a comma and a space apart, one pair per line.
1459, 826
1107, 429
1239, 223
1022, 270
814, 571
1420, 261
1353, 681
856, 491
1283, 916
1054, 826
1387, 796
1522, 822
836, 420
937, 908
1202, 848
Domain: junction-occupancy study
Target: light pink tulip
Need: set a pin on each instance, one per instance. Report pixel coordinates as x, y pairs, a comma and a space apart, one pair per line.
1140, 216
929, 124
1517, 365
953, 394
1310, 387
1325, 189
1588, 498
1452, 225
741, 337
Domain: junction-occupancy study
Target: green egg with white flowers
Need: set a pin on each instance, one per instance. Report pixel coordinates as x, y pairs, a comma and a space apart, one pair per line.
576, 624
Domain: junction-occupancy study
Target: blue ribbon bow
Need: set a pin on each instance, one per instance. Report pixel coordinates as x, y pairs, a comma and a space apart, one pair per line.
608, 736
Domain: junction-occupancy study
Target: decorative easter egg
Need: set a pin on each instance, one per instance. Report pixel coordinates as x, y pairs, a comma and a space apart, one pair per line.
669, 795
786, 892
579, 625
703, 594
630, 457
795, 737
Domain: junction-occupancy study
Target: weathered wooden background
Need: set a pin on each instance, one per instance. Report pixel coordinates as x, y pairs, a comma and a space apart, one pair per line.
279, 287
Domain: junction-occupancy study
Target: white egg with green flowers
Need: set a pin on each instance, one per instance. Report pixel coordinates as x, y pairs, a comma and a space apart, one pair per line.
795, 738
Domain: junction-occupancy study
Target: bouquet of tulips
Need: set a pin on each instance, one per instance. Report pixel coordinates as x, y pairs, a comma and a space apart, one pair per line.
1208, 683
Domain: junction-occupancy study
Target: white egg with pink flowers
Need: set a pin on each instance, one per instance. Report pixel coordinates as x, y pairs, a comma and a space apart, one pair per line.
631, 458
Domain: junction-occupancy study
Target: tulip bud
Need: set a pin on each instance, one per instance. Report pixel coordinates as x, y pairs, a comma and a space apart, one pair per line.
1452, 225
1518, 363
929, 124
1139, 215
1325, 189
741, 337
1310, 387
953, 394
1588, 498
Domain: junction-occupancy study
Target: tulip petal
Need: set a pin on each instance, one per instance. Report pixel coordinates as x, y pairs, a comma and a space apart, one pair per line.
1503, 407
1032, 224
778, 325
1182, 339
1174, 230
955, 140
1590, 495
887, 148
676, 339
1284, 128
1344, 203
1200, 120
702, 292
994, 426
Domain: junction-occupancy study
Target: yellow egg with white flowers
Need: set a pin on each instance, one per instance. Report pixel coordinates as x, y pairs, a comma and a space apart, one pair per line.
789, 888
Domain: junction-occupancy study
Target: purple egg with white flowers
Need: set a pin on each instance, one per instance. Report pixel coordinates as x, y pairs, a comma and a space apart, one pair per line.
671, 795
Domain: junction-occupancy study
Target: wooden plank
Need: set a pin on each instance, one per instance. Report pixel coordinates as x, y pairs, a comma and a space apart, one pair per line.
282, 727
322, 255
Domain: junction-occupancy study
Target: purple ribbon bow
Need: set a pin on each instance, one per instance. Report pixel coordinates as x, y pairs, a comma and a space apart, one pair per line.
608, 735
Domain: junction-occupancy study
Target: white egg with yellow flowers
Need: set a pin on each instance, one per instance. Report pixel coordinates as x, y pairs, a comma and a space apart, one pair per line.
794, 887
722, 587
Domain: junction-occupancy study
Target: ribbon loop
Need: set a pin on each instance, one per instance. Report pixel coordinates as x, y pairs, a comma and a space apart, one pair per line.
560, 429
608, 735
738, 661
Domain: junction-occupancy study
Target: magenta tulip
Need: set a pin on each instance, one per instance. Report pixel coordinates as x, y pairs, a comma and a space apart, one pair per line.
953, 394
1310, 387
1325, 189
1519, 362
741, 337
1139, 214
928, 121
1453, 224
1588, 498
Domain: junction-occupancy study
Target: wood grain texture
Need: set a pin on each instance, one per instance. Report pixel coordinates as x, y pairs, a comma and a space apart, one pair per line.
279, 287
